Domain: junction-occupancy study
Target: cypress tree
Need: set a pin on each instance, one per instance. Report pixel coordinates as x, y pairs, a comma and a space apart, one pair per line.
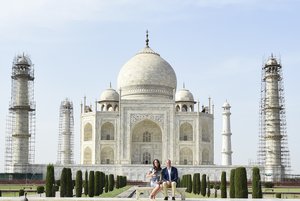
106, 184
208, 187
118, 182
240, 183
223, 185
111, 182
63, 183
203, 185
196, 183
86, 184
50, 181
78, 183
102, 182
189, 183
97, 183
69, 183
231, 190
91, 184
256, 186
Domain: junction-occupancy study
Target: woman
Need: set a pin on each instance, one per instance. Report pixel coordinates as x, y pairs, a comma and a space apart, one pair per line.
155, 177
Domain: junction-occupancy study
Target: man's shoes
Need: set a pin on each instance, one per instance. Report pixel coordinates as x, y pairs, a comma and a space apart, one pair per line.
166, 198
173, 198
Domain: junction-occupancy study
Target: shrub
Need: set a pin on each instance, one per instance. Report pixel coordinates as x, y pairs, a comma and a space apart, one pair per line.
40, 190
21, 192
203, 185
269, 184
102, 182
111, 182
223, 185
196, 183
106, 184
189, 183
231, 190
0, 193
86, 184
50, 181
278, 195
69, 184
208, 187
256, 186
78, 184
97, 183
91, 184
63, 183
240, 183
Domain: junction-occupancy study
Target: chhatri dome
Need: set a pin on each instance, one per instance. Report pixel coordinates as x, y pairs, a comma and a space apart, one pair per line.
184, 95
147, 75
109, 95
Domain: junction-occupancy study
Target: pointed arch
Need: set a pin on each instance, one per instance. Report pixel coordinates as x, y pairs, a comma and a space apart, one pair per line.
186, 132
205, 157
107, 155
186, 156
87, 156
107, 131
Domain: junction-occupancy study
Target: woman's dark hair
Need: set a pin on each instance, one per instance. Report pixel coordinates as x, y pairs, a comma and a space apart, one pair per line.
158, 166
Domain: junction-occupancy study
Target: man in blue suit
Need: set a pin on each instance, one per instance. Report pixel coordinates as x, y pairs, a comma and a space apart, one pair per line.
169, 178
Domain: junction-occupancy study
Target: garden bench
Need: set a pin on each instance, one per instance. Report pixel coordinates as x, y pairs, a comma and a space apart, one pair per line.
140, 189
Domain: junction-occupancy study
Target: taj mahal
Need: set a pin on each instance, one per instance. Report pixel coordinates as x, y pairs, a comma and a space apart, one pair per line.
145, 118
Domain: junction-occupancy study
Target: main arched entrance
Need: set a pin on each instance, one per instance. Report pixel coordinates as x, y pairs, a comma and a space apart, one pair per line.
146, 142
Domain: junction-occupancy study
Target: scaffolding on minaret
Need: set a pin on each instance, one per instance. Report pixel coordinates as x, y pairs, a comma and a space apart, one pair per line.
262, 148
20, 122
65, 153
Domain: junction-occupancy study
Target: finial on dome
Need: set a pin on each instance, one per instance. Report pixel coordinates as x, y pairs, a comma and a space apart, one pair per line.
110, 85
147, 39
183, 85
272, 55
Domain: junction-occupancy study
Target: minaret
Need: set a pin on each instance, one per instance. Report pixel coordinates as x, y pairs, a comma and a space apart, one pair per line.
226, 136
272, 109
66, 133
21, 129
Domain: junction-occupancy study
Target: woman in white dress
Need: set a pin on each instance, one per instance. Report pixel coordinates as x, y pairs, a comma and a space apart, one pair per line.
155, 178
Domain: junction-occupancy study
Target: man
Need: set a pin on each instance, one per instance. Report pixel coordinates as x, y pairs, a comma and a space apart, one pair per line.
169, 178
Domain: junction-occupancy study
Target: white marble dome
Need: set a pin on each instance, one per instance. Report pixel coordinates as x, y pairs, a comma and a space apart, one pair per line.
226, 105
271, 61
184, 95
147, 75
109, 95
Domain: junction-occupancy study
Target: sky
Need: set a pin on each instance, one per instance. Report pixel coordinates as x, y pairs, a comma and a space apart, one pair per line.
216, 47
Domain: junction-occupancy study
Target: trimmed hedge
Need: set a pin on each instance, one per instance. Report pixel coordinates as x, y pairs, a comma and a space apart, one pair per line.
240, 183
106, 184
40, 190
203, 185
63, 183
97, 183
223, 185
196, 183
50, 181
111, 182
86, 184
231, 188
256, 183
91, 184
208, 187
69, 183
78, 183
21, 192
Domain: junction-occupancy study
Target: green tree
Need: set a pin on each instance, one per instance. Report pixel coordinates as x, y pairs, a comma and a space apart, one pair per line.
111, 182
231, 190
102, 182
86, 184
50, 181
40, 190
203, 185
223, 185
118, 182
189, 183
256, 183
69, 184
106, 184
196, 183
78, 183
97, 183
91, 184
240, 183
63, 183
208, 187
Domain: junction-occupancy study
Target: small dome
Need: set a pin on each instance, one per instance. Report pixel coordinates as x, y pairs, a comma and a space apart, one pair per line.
226, 105
22, 60
67, 104
184, 95
271, 61
109, 95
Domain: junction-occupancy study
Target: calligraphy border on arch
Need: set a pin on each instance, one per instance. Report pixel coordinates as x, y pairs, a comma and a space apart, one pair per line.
157, 118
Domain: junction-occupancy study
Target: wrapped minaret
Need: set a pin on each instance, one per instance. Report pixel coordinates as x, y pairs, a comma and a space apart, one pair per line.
21, 119
273, 149
226, 136
66, 133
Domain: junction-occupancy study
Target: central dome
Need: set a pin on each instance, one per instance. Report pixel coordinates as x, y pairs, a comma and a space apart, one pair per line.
147, 75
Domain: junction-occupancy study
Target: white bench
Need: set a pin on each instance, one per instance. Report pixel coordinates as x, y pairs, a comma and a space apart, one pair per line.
139, 190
